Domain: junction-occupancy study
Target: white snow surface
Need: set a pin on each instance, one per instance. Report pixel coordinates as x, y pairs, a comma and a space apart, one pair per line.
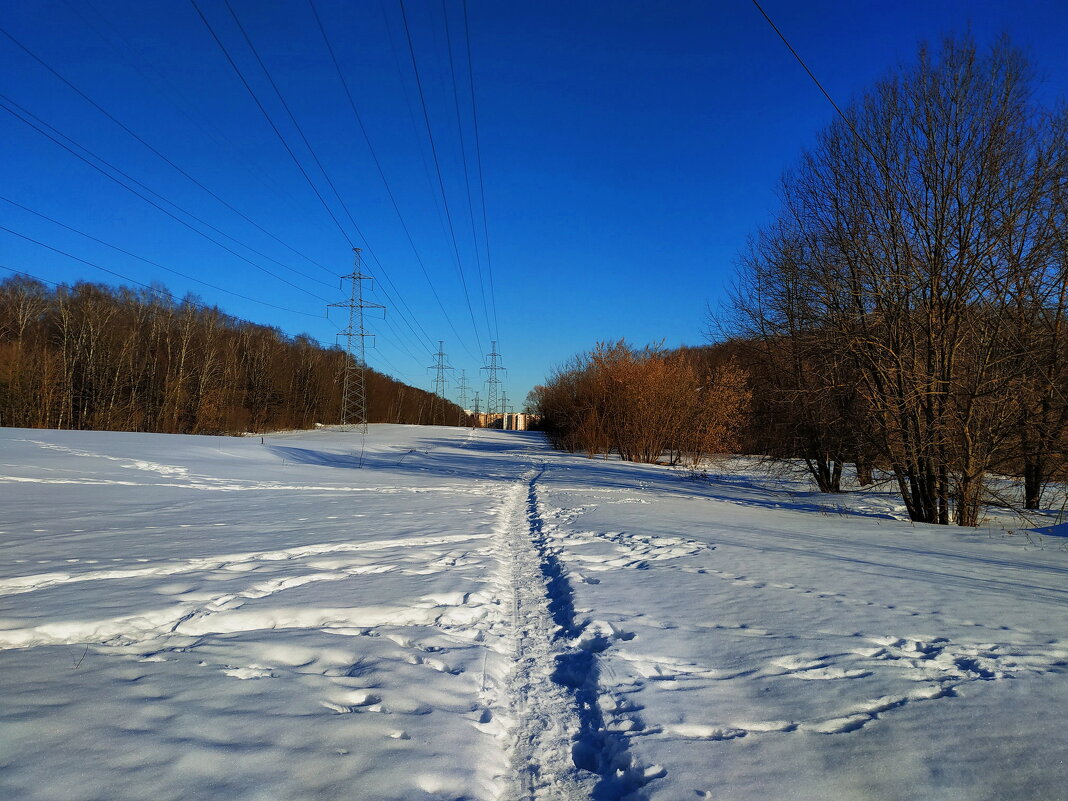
436, 613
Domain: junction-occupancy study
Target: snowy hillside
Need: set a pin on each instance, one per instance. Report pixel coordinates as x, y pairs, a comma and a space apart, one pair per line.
468, 614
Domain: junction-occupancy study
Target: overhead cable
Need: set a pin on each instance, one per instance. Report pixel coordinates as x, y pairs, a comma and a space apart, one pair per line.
463, 158
140, 258
381, 172
481, 181
441, 182
152, 149
270, 122
6, 104
109, 271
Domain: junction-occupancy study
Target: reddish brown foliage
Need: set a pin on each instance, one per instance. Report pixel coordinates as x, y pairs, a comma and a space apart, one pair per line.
93, 357
646, 405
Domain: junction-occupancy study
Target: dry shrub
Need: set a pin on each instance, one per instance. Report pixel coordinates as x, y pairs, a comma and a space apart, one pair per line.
647, 405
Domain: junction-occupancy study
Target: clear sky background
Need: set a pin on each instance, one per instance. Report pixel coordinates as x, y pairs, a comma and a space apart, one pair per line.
627, 150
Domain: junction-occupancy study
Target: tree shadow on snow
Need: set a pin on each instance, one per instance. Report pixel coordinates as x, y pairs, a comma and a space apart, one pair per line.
740, 491
500, 456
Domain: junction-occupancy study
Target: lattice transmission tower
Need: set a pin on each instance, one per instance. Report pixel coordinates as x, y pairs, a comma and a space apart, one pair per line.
354, 381
493, 383
506, 409
440, 366
461, 393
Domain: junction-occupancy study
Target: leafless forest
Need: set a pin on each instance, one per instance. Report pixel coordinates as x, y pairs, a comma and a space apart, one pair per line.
95, 357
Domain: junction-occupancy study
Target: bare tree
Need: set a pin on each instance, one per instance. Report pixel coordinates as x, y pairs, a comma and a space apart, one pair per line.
907, 233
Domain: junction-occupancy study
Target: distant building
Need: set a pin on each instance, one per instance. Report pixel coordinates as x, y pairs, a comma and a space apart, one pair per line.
520, 421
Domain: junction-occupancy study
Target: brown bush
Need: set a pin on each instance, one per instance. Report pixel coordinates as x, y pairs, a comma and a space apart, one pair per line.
647, 405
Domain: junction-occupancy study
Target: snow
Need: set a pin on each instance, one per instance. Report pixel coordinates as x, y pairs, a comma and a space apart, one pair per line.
437, 613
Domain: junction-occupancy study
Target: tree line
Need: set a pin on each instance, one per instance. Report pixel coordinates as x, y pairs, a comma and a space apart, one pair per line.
89, 356
905, 312
647, 405
907, 308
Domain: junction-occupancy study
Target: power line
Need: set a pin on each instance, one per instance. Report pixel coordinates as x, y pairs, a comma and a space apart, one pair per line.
270, 122
481, 181
441, 182
167, 293
170, 296
139, 258
399, 63
416, 127
800, 61
318, 162
322, 169
83, 261
162, 86
118, 274
4, 101
463, 157
416, 130
440, 366
402, 340
300, 131
381, 172
396, 370
69, 144
152, 149
880, 162
461, 391
381, 356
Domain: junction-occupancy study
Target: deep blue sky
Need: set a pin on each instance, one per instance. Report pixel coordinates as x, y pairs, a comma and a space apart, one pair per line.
628, 149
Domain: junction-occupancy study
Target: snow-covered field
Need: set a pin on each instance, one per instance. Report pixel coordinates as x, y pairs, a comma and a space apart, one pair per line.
460, 614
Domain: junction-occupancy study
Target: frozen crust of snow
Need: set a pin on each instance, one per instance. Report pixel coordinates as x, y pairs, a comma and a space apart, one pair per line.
441, 613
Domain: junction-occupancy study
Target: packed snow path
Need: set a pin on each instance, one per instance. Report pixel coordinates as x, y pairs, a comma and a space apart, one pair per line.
560, 748
544, 723
449, 614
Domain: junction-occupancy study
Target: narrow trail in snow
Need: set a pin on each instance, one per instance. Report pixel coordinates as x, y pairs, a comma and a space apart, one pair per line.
560, 745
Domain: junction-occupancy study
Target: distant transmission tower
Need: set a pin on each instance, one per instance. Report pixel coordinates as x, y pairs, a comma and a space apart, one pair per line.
354, 384
440, 381
493, 383
506, 409
461, 393
474, 406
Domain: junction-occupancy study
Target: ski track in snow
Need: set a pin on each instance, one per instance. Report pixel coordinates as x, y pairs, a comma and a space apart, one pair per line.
563, 702
561, 746
937, 666
241, 562
207, 483
938, 669
561, 735
222, 613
